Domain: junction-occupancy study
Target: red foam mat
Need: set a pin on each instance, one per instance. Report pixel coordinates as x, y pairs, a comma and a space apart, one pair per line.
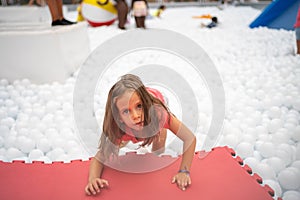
218, 175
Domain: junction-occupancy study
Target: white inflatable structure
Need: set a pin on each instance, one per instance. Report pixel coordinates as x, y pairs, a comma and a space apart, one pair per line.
30, 48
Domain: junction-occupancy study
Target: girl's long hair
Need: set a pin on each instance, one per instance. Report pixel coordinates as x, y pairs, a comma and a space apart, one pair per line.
113, 129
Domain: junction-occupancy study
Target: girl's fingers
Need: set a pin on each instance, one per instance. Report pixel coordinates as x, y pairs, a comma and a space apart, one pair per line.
100, 183
182, 183
95, 187
87, 190
104, 183
174, 179
190, 181
91, 189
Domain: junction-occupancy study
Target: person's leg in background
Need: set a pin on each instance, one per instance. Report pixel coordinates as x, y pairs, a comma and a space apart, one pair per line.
56, 10
122, 9
297, 30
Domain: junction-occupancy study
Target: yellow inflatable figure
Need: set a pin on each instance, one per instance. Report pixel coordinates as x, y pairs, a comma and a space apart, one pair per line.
80, 18
99, 12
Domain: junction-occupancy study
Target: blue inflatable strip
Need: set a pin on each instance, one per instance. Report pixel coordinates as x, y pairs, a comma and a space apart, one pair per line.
280, 14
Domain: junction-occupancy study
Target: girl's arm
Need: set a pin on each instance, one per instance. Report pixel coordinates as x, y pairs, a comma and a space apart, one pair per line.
189, 143
95, 182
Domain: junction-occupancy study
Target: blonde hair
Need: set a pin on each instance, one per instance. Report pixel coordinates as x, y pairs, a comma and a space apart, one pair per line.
113, 129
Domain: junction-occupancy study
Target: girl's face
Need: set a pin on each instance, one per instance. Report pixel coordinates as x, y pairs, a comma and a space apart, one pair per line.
131, 110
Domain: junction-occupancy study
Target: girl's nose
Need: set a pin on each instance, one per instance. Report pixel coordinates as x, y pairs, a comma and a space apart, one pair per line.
135, 114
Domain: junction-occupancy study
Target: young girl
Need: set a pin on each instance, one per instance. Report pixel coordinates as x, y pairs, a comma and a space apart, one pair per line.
140, 11
138, 114
159, 11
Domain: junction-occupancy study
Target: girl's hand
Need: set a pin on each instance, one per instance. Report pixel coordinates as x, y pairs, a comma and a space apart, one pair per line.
93, 187
183, 180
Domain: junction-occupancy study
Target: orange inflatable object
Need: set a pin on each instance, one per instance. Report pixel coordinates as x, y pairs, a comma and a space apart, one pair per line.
203, 16
215, 175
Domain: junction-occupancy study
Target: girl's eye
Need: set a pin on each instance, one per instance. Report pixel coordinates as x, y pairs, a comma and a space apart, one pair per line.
139, 106
126, 111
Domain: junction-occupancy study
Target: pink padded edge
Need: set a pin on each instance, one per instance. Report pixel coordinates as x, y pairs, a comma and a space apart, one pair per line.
215, 175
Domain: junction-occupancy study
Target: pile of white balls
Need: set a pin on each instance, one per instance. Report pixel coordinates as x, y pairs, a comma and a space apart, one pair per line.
36, 122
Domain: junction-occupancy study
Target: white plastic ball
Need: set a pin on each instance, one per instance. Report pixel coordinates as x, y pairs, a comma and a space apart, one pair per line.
289, 178
267, 149
256, 117
51, 134
67, 108
25, 82
4, 82
22, 117
13, 111
4, 131
245, 149
231, 140
257, 155
55, 153
276, 163
284, 155
45, 94
4, 95
58, 143
274, 125
280, 137
23, 132
252, 162
10, 141
292, 120
13, 153
248, 138
35, 135
34, 121
265, 171
25, 144
291, 195
52, 106
9, 103
261, 130
290, 127
296, 164
3, 113
8, 121
2, 151
35, 154
44, 145
75, 153
275, 186
258, 143
67, 133
275, 112
64, 157
38, 111
70, 145
42, 127
260, 94
296, 104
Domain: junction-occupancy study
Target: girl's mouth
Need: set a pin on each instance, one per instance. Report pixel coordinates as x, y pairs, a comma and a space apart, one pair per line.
140, 123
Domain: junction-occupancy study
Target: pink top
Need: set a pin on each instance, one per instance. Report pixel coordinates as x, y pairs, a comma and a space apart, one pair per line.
297, 24
164, 118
